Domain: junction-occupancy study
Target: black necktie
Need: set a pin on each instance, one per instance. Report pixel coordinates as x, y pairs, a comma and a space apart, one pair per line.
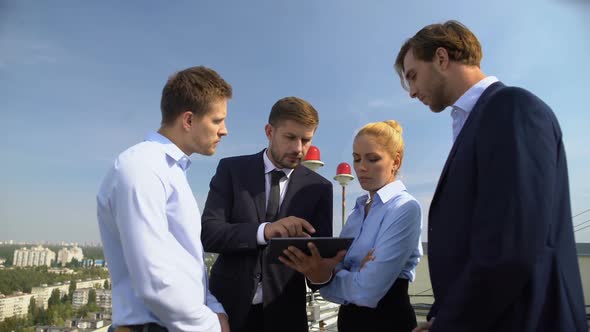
274, 196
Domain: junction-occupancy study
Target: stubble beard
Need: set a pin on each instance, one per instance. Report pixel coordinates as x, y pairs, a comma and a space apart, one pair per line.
279, 160
439, 100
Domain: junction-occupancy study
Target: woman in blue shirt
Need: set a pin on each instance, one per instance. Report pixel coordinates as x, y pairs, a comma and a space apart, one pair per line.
371, 283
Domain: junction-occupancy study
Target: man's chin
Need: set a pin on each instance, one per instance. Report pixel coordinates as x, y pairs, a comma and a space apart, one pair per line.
208, 152
290, 165
436, 109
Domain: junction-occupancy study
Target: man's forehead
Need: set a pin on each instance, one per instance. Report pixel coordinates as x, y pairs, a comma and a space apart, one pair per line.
292, 125
409, 60
217, 112
301, 131
408, 66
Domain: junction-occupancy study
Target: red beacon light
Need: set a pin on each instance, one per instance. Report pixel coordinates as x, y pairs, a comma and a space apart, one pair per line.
312, 159
343, 174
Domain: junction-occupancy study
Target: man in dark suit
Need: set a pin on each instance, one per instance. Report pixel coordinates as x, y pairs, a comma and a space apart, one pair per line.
501, 247
256, 197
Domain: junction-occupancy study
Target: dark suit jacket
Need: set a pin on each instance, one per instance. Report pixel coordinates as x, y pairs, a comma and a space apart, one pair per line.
234, 209
501, 247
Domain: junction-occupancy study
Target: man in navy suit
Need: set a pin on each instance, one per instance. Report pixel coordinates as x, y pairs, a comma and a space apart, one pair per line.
240, 216
501, 247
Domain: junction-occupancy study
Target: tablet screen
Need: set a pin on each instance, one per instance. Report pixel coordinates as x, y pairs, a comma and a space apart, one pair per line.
327, 246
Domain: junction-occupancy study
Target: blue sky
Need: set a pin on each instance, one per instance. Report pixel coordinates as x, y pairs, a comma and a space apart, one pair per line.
81, 81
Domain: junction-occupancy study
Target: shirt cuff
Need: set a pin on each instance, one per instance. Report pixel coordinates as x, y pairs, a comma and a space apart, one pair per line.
217, 308
214, 305
260, 234
321, 283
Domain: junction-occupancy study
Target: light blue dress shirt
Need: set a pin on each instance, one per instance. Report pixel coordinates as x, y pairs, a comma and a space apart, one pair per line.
392, 228
463, 106
150, 227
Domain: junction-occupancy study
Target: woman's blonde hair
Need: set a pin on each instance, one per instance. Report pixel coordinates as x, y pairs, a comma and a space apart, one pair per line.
388, 134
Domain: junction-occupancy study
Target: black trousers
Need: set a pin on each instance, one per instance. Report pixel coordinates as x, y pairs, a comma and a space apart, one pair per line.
254, 320
393, 313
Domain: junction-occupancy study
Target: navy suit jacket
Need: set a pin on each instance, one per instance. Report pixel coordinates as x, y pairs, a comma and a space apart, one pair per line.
501, 247
235, 207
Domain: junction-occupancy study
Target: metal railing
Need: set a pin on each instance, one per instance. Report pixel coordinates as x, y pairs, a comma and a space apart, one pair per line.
322, 315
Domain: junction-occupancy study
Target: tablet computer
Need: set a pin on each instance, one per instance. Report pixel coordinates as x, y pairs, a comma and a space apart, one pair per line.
327, 246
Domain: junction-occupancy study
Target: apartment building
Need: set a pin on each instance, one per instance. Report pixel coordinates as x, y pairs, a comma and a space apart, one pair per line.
36, 256
14, 305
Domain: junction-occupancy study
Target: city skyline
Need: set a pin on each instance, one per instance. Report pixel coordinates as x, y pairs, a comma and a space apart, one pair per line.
81, 83
51, 243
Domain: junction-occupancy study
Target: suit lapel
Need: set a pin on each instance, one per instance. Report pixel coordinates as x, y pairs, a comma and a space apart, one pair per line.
257, 183
481, 103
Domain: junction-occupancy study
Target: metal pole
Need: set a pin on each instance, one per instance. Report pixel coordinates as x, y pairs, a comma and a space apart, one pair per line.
343, 203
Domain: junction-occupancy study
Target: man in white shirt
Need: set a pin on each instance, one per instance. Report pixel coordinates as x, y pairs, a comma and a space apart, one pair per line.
149, 219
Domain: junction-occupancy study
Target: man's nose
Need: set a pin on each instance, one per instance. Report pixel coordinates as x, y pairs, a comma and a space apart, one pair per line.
223, 131
298, 146
413, 92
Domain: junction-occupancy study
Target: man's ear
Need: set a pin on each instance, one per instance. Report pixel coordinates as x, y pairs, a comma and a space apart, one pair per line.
187, 119
441, 58
268, 130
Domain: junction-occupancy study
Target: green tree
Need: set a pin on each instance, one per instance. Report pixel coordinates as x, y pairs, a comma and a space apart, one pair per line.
10, 324
54, 316
55, 298
16, 324
41, 268
82, 311
93, 253
72, 288
106, 284
42, 317
87, 308
92, 296
57, 314
33, 310
73, 264
24, 279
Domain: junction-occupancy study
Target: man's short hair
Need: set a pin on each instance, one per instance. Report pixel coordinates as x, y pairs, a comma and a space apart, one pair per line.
192, 89
461, 44
295, 109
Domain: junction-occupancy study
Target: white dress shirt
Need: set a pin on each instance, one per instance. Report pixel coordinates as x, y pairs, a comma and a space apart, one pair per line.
463, 106
283, 183
150, 228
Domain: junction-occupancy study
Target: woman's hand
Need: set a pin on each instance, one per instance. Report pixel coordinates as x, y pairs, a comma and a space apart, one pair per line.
369, 257
316, 269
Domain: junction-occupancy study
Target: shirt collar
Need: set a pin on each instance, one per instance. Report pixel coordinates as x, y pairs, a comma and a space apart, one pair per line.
269, 166
386, 193
466, 102
170, 149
